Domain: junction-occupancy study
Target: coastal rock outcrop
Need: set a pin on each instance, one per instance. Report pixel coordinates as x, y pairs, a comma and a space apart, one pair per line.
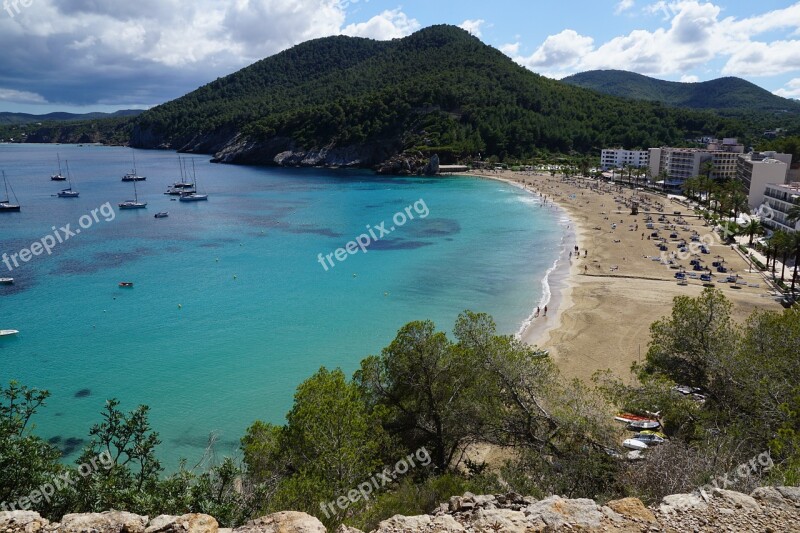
774, 509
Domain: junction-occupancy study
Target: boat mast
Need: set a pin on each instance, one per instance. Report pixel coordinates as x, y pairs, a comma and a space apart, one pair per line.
5, 182
69, 174
59, 163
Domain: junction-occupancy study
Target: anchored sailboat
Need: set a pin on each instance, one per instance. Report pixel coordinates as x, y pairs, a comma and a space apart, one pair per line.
60, 175
5, 205
135, 203
69, 192
193, 196
133, 176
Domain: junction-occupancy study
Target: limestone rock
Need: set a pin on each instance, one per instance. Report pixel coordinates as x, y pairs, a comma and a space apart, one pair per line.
682, 502
736, 499
557, 512
504, 520
284, 522
22, 521
632, 508
107, 522
403, 524
188, 523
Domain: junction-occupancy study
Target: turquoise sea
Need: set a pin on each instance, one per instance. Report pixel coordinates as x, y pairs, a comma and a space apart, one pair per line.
231, 309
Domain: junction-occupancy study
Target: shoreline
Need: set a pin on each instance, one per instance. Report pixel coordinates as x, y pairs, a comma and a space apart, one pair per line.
556, 283
602, 305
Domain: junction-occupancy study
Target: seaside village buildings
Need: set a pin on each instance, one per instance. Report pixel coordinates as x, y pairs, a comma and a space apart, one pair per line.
767, 176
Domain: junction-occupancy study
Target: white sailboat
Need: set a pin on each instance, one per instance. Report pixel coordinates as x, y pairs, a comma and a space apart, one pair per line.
69, 192
193, 196
5, 205
135, 203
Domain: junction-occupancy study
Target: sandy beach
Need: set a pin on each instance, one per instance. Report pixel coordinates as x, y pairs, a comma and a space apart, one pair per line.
618, 284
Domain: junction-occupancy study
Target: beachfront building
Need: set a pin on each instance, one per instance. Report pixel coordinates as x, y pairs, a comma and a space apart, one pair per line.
611, 158
676, 165
780, 198
759, 169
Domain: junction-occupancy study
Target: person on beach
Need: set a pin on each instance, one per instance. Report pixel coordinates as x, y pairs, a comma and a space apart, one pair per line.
536, 315
545, 310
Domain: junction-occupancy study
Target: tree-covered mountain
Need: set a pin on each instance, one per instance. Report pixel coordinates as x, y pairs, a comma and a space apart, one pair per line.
7, 118
345, 100
720, 94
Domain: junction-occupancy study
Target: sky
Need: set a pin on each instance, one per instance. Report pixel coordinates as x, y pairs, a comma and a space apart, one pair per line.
104, 55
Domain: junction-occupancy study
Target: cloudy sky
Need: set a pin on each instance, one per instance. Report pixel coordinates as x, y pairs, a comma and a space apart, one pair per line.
83, 55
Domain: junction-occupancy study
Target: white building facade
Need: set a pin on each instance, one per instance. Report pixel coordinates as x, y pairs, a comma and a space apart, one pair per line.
619, 157
780, 198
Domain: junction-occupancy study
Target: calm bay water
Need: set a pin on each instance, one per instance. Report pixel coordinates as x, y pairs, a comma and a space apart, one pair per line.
231, 310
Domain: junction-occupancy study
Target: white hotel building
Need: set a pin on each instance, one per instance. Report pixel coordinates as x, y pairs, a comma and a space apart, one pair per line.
781, 197
619, 158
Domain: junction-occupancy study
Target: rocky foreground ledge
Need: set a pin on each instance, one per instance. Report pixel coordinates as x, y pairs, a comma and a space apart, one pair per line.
769, 509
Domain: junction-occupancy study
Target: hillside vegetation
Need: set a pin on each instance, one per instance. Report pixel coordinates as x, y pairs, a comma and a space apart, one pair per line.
438, 90
721, 94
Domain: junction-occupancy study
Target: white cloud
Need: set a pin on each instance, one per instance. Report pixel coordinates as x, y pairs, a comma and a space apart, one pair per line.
388, 25
81, 52
689, 78
21, 97
694, 34
790, 90
473, 26
561, 51
510, 49
623, 6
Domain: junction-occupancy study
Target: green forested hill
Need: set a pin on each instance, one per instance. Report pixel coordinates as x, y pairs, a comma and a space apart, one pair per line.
721, 94
439, 89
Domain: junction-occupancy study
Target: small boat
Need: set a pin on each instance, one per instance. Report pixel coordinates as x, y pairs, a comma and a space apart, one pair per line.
193, 197
126, 284
633, 444
651, 432
644, 424
163, 214
649, 439
628, 417
8, 332
6, 281
5, 205
178, 191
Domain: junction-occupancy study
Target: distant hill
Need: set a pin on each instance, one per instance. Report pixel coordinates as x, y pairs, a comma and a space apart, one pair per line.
354, 101
25, 118
720, 94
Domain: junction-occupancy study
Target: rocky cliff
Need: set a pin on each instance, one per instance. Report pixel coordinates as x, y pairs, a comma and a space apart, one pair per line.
768, 509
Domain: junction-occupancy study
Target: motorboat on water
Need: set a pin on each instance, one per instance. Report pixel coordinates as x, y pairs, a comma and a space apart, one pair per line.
126, 284
6, 281
163, 214
8, 332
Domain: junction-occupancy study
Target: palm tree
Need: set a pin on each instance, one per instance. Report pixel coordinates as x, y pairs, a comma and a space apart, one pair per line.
793, 215
782, 242
753, 228
794, 246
